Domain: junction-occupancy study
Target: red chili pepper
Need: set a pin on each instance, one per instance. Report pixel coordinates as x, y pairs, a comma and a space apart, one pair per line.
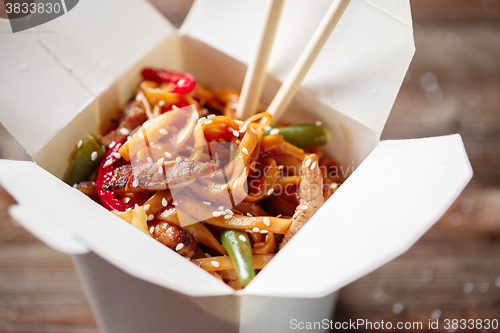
184, 82
104, 174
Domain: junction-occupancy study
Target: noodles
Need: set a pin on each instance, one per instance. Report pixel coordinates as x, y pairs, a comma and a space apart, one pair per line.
265, 247
208, 175
225, 263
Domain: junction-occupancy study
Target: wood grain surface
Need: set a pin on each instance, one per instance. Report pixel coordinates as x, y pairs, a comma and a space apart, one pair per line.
453, 86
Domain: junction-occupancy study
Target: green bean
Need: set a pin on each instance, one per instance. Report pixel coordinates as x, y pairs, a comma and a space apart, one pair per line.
237, 245
303, 135
86, 159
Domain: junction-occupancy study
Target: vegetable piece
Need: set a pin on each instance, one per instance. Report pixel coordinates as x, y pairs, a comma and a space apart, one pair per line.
86, 159
107, 198
303, 135
184, 82
237, 245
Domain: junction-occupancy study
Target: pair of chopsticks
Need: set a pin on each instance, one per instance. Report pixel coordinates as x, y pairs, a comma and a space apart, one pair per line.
256, 72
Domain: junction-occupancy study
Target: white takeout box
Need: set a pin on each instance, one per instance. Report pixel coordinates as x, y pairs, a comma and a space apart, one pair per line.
66, 78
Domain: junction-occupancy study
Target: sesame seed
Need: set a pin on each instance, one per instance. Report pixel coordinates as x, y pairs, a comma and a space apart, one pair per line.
230, 129
210, 116
207, 203
141, 135
116, 155
280, 167
112, 144
242, 238
249, 231
264, 231
227, 217
236, 133
215, 263
303, 207
207, 122
168, 155
179, 247
201, 119
255, 229
137, 208
178, 159
174, 107
318, 123
160, 170
221, 207
93, 156
108, 162
279, 215
313, 165
164, 202
252, 129
151, 230
267, 221
244, 150
274, 131
80, 143
161, 103
128, 209
146, 207
216, 214
249, 215
267, 128
295, 215
270, 191
135, 183
308, 163
334, 186
75, 185
175, 203
126, 200
163, 131
229, 212
160, 161
149, 159
187, 159
150, 217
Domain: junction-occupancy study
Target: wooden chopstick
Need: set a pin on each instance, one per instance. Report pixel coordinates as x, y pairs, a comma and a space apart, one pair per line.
256, 72
306, 59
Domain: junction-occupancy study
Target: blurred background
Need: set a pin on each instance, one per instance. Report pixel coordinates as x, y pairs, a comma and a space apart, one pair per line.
453, 272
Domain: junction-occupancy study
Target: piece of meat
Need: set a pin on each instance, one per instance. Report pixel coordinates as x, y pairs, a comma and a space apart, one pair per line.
311, 196
149, 177
133, 116
173, 236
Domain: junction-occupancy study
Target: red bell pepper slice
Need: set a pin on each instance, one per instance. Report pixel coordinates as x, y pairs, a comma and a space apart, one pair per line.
184, 82
105, 172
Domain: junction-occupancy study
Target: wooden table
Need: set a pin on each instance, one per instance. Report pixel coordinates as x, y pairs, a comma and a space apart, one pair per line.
453, 271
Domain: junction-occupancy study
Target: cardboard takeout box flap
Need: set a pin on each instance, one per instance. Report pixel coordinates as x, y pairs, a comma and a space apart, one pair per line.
359, 70
68, 221
58, 68
399, 191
